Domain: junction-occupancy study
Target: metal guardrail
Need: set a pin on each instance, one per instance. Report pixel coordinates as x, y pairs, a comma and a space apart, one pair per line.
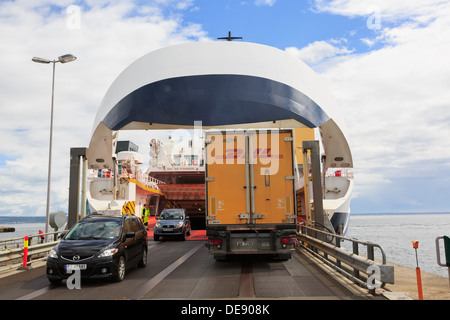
446, 241
362, 270
12, 250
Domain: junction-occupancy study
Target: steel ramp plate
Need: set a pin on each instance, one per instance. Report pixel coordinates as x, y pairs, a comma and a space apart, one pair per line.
277, 287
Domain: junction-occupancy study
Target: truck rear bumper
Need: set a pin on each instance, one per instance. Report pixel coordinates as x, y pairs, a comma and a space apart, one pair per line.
231, 240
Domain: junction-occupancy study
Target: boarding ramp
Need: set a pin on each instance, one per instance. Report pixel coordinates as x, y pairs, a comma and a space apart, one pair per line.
361, 273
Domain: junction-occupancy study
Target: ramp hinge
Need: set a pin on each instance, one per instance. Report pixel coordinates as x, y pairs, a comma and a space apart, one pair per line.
288, 139
289, 178
210, 179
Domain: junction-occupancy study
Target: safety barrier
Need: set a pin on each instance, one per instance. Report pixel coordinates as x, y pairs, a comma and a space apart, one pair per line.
446, 241
362, 270
22, 252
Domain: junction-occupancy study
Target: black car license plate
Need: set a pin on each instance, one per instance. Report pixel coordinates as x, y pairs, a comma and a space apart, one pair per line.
70, 267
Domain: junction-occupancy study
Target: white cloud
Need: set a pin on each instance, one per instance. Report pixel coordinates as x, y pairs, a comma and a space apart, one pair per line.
395, 99
417, 10
368, 42
318, 51
265, 2
111, 35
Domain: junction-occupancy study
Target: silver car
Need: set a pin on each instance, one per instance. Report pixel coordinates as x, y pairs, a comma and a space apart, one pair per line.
172, 223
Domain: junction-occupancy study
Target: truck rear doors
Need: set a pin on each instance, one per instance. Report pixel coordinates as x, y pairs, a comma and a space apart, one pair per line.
250, 177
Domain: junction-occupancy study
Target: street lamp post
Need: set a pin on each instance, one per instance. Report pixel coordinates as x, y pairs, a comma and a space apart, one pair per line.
63, 59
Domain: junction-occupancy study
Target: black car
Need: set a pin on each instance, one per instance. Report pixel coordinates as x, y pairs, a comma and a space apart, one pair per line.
172, 223
100, 247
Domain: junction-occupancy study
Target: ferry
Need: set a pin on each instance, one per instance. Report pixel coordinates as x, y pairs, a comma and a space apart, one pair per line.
212, 85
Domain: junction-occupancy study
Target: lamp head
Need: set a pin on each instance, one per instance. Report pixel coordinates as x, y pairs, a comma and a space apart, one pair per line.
67, 58
40, 60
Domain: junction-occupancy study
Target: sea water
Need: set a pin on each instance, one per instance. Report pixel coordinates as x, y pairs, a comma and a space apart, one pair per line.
24, 226
395, 233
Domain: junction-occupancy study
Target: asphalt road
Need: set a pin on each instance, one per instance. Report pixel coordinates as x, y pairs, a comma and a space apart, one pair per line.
184, 270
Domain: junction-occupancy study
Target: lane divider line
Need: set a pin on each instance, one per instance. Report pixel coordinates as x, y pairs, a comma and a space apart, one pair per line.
153, 282
34, 294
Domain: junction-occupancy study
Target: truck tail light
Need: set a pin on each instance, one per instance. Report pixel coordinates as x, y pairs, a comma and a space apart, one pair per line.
215, 242
287, 240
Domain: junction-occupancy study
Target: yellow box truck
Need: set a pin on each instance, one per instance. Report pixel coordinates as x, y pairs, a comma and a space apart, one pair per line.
250, 192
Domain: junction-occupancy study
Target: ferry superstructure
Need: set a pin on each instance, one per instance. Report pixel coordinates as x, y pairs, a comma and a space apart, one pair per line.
222, 85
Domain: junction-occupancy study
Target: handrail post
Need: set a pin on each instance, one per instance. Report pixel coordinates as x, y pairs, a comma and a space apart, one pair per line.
447, 255
338, 244
356, 252
370, 252
371, 256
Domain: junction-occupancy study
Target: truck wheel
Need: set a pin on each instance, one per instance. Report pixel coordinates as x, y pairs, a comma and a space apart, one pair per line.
220, 257
284, 256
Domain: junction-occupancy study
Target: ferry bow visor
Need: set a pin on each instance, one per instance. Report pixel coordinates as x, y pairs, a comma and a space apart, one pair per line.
216, 100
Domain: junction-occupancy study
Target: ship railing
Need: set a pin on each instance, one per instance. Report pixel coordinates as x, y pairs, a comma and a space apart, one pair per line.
140, 176
199, 167
100, 173
12, 251
340, 172
149, 181
362, 269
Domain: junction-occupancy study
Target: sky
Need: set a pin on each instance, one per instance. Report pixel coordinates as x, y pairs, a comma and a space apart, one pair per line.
386, 62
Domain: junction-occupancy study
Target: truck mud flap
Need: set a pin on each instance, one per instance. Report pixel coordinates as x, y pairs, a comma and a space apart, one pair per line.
228, 241
273, 236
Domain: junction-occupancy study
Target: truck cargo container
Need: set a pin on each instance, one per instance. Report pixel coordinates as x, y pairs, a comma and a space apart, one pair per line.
250, 192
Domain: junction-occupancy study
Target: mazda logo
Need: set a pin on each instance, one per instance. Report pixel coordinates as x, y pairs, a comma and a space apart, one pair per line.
76, 258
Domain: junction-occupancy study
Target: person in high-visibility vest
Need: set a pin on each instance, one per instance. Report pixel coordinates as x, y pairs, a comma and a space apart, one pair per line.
145, 214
